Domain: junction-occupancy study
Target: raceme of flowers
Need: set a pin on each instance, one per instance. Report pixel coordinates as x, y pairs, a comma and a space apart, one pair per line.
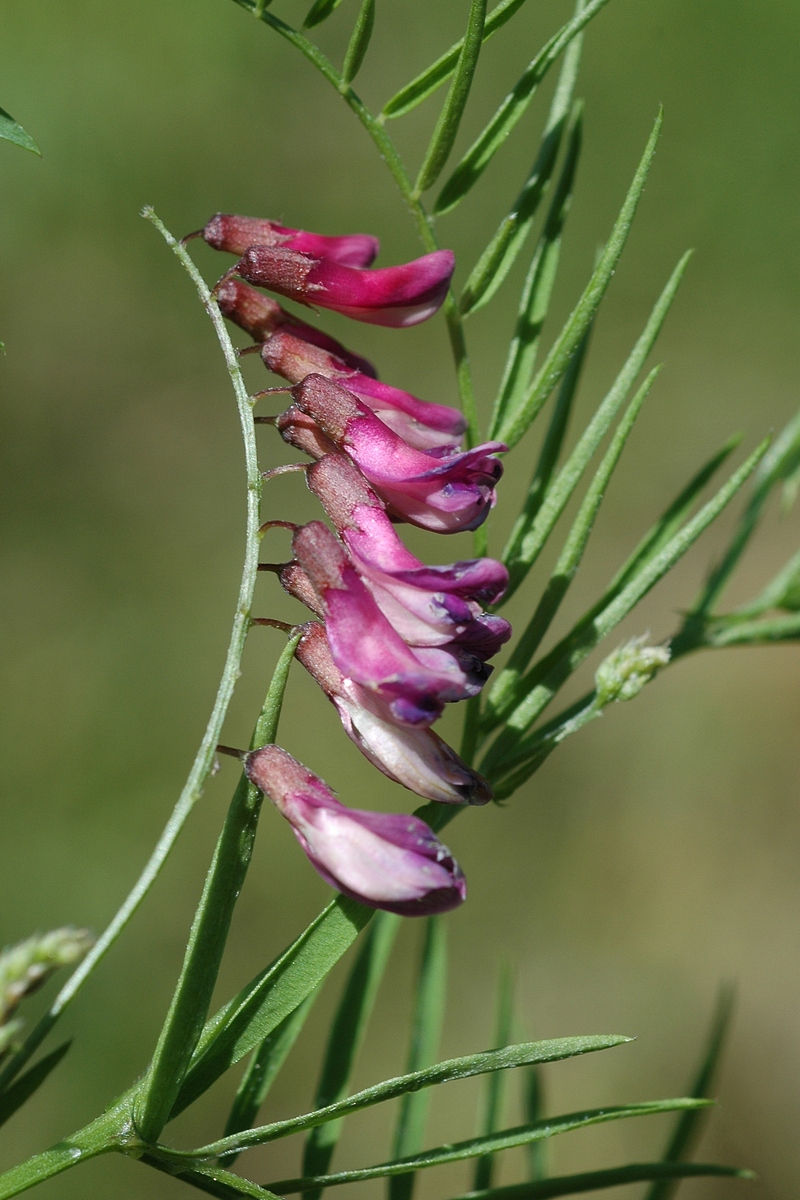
394, 640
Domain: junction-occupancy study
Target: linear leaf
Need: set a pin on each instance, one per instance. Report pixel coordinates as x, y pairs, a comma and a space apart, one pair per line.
267, 1060
277, 991
574, 546
589, 1181
359, 42
444, 135
505, 1140
512, 109
409, 1135
722, 631
12, 131
347, 1032
502, 251
320, 11
518, 418
688, 1127
439, 72
495, 1084
214, 1181
547, 676
532, 750
22, 1090
538, 289
443, 1072
189, 1006
534, 1111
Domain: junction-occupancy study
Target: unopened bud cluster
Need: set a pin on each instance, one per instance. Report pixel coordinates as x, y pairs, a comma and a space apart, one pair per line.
26, 966
623, 674
395, 640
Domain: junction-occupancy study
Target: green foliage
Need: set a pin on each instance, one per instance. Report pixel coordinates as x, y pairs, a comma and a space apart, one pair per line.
12, 131
359, 42
494, 1087
30, 1082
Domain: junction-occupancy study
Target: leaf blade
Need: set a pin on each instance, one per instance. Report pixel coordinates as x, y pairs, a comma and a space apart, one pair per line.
23, 1088
495, 1084
12, 131
320, 11
359, 42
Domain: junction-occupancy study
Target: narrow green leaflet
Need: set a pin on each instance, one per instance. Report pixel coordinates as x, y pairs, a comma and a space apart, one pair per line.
538, 688
502, 251
571, 553
189, 1007
688, 1127
533, 1096
439, 72
443, 1072
269, 998
21, 1091
428, 1018
263, 1069
531, 751
512, 109
347, 1032
444, 135
590, 1181
359, 42
12, 131
495, 1084
519, 417
538, 288
214, 1181
320, 11
505, 1140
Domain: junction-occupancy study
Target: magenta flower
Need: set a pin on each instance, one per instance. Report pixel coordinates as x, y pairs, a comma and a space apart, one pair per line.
385, 860
428, 606
237, 234
423, 425
397, 296
415, 683
446, 493
416, 758
261, 316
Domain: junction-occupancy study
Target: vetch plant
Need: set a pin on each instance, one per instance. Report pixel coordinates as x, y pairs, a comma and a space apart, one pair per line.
392, 640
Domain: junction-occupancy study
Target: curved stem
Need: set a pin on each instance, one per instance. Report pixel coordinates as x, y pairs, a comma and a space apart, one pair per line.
204, 759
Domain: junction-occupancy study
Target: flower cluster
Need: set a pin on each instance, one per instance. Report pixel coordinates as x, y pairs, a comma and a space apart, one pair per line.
395, 640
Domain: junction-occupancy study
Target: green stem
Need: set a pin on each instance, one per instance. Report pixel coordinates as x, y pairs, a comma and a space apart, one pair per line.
210, 929
204, 759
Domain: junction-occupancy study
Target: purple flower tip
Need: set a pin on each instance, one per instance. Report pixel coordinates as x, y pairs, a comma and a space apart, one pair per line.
384, 860
235, 234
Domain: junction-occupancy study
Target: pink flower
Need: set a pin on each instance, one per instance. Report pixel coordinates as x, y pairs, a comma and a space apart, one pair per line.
237, 234
446, 493
428, 606
397, 296
385, 860
415, 684
416, 758
261, 316
421, 424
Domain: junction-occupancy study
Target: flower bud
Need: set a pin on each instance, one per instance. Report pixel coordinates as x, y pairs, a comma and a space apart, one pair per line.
422, 424
26, 966
236, 234
397, 296
623, 674
416, 758
446, 493
384, 860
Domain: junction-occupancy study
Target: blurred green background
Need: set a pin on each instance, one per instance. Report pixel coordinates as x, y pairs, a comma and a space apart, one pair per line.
657, 853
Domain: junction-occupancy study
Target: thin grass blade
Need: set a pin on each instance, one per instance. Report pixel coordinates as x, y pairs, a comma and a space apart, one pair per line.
537, 689
518, 419
429, 1004
267, 1000
359, 42
590, 1181
347, 1033
320, 11
214, 1181
689, 1126
519, 1055
444, 135
495, 1084
501, 253
267, 1060
426, 83
21, 1091
533, 1099
12, 131
572, 552
512, 109
538, 289
505, 1140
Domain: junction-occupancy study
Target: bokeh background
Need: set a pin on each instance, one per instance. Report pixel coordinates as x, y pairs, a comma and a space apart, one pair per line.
657, 852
